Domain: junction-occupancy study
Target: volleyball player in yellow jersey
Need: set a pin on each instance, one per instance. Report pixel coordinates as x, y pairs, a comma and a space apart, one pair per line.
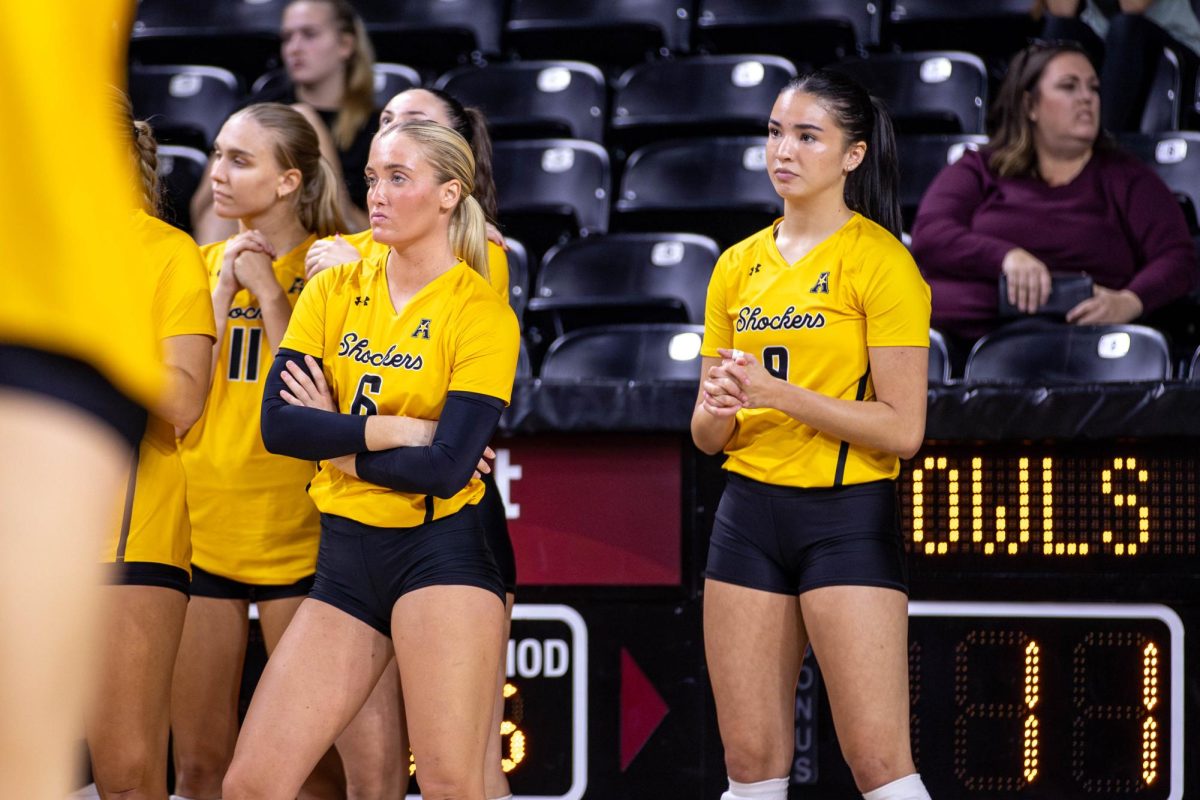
416, 332
470, 123
814, 385
78, 360
149, 552
254, 531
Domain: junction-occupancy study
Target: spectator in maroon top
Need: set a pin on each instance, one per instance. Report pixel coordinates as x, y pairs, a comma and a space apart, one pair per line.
1050, 193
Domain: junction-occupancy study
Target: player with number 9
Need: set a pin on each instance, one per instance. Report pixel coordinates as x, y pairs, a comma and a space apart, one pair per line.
813, 384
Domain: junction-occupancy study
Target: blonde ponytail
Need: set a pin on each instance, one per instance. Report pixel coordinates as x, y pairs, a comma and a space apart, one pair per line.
146, 148
468, 235
319, 210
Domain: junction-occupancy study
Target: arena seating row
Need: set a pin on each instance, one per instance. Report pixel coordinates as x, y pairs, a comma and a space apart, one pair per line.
554, 189
1024, 354
928, 92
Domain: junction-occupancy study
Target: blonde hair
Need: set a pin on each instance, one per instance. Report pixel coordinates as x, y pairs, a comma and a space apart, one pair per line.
297, 147
143, 147
451, 158
358, 97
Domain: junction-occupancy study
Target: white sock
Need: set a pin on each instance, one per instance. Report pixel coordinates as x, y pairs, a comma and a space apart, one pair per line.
89, 792
178, 797
772, 789
506, 797
907, 788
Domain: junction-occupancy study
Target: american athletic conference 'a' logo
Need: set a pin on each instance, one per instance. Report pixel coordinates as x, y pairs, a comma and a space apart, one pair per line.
822, 284
422, 331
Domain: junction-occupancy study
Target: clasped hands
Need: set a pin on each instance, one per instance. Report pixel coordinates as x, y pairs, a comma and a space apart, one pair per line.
309, 389
739, 381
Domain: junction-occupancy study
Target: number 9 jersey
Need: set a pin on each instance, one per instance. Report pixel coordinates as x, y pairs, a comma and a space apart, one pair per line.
811, 323
455, 335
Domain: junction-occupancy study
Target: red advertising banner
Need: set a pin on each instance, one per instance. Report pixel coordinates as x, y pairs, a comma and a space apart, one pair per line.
593, 510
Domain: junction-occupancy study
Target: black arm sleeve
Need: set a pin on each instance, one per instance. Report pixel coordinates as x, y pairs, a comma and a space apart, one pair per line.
443, 468
307, 433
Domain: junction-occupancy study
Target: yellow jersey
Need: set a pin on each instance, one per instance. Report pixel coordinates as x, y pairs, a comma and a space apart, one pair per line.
69, 286
251, 519
156, 527
497, 258
811, 323
455, 334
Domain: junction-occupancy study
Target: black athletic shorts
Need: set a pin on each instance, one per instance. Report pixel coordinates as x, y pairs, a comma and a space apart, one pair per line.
147, 573
206, 584
495, 528
789, 540
75, 383
364, 570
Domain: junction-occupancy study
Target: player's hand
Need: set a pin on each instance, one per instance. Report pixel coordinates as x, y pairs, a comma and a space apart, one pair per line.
1028, 280
346, 464
307, 388
326, 253
253, 269
252, 241
1106, 307
722, 395
755, 386
494, 235
484, 466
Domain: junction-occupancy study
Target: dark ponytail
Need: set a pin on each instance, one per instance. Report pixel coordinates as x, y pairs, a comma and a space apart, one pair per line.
873, 189
471, 124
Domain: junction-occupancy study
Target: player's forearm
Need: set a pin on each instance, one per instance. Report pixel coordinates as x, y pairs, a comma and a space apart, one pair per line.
446, 466
711, 433
306, 433
276, 313
183, 402
872, 424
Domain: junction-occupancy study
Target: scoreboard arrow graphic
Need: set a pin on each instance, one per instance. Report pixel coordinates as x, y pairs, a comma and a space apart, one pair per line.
642, 709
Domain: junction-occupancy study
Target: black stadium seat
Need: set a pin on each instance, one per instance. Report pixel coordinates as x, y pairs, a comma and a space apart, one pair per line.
1042, 354
1194, 370
1162, 109
698, 96
1175, 156
185, 104
180, 170
608, 32
663, 352
550, 189
527, 99
927, 92
630, 277
980, 26
939, 359
433, 33
240, 35
809, 31
922, 157
716, 186
518, 276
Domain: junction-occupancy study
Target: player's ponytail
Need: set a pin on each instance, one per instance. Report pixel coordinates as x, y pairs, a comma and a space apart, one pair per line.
452, 160
873, 188
468, 234
143, 149
297, 147
146, 147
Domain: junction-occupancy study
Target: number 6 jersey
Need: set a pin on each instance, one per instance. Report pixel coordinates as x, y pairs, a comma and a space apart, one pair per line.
251, 519
811, 323
454, 335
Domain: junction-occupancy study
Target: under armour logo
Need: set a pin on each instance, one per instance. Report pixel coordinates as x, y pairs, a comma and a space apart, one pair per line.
754, 270
822, 284
362, 301
422, 331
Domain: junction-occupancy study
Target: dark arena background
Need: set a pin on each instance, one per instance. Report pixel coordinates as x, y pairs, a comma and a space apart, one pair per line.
1051, 526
